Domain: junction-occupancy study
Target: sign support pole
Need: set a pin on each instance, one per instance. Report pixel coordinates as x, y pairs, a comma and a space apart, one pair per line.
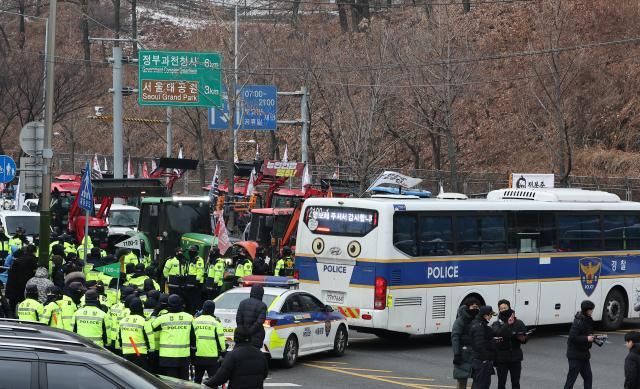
47, 154
169, 131
304, 136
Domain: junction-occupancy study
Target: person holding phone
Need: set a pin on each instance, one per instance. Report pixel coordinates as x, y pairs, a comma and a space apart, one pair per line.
508, 352
483, 345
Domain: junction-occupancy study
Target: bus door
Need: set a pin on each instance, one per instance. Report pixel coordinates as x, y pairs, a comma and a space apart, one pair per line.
527, 285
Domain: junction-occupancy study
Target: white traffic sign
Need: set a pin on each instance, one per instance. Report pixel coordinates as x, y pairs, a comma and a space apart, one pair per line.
131, 243
32, 138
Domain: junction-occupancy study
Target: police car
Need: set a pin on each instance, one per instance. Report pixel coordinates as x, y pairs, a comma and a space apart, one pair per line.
297, 323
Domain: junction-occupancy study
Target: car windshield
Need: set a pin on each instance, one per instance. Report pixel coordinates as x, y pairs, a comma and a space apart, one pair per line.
31, 224
232, 300
124, 218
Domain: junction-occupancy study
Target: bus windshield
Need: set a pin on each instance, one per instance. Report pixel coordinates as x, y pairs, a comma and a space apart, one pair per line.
340, 221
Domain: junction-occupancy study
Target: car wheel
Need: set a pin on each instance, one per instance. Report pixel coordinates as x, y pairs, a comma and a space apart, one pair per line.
340, 342
613, 311
290, 352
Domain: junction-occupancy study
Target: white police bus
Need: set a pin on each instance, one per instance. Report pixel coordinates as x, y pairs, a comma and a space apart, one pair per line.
396, 264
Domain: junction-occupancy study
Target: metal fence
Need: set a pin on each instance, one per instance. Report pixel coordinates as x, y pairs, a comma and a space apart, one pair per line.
470, 183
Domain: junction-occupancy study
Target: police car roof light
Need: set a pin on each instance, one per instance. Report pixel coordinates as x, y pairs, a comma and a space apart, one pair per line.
275, 281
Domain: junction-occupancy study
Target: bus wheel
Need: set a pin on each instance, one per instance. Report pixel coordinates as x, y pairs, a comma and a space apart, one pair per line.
290, 352
613, 311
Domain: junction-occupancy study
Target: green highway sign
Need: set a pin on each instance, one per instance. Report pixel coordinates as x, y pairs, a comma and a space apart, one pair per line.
179, 78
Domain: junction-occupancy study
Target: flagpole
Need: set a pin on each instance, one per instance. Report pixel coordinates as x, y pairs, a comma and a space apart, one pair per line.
86, 222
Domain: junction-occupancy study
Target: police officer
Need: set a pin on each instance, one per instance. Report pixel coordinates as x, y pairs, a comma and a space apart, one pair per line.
210, 342
116, 313
215, 273
176, 338
139, 277
173, 266
69, 304
130, 257
19, 239
52, 314
259, 263
30, 308
284, 266
195, 266
90, 321
5, 247
136, 335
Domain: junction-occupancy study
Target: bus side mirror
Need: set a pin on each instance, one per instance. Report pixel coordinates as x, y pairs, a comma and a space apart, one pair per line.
328, 309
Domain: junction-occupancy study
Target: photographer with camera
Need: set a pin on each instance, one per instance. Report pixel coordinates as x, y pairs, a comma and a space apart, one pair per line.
580, 340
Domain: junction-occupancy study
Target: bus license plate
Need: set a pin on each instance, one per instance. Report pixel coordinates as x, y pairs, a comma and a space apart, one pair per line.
331, 297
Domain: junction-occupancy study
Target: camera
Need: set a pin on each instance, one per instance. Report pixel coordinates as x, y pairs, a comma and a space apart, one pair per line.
600, 339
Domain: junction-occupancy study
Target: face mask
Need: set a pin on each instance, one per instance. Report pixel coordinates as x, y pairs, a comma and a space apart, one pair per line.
180, 256
193, 254
473, 311
505, 315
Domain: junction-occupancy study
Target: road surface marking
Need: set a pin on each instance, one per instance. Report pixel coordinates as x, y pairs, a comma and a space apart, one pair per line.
356, 369
280, 385
373, 377
405, 378
329, 362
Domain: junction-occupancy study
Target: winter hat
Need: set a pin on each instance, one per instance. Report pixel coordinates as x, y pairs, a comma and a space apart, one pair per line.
91, 297
74, 276
135, 306
175, 303
486, 310
208, 308
31, 291
587, 305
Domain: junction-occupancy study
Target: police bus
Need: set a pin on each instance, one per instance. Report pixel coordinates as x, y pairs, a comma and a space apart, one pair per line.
401, 264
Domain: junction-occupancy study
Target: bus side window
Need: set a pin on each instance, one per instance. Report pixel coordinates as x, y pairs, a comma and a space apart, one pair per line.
436, 235
404, 233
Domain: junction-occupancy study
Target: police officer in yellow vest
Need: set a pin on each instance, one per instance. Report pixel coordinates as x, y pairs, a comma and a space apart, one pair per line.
176, 337
138, 278
52, 314
210, 342
30, 308
80, 247
5, 246
173, 266
215, 274
136, 335
284, 266
130, 257
91, 321
116, 313
195, 266
69, 303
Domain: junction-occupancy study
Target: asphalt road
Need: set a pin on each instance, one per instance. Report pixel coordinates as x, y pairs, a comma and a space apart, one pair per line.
426, 362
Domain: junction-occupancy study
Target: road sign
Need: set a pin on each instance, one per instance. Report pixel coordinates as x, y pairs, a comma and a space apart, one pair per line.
32, 138
7, 169
31, 174
219, 116
131, 243
258, 110
258, 107
179, 79
86, 191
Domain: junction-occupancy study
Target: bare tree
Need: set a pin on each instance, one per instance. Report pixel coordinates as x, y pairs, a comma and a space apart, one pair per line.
551, 92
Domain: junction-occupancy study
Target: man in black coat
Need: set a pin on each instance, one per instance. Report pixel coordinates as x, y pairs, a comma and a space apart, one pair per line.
632, 362
482, 344
252, 313
245, 367
508, 352
22, 269
578, 345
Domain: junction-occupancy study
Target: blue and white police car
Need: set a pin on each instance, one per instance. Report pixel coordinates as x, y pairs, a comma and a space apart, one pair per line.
297, 323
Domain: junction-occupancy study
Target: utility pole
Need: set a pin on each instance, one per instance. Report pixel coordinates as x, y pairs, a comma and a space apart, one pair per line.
47, 153
304, 113
118, 152
234, 113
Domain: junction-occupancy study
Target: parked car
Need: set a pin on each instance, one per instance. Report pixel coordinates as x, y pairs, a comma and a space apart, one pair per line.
297, 323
